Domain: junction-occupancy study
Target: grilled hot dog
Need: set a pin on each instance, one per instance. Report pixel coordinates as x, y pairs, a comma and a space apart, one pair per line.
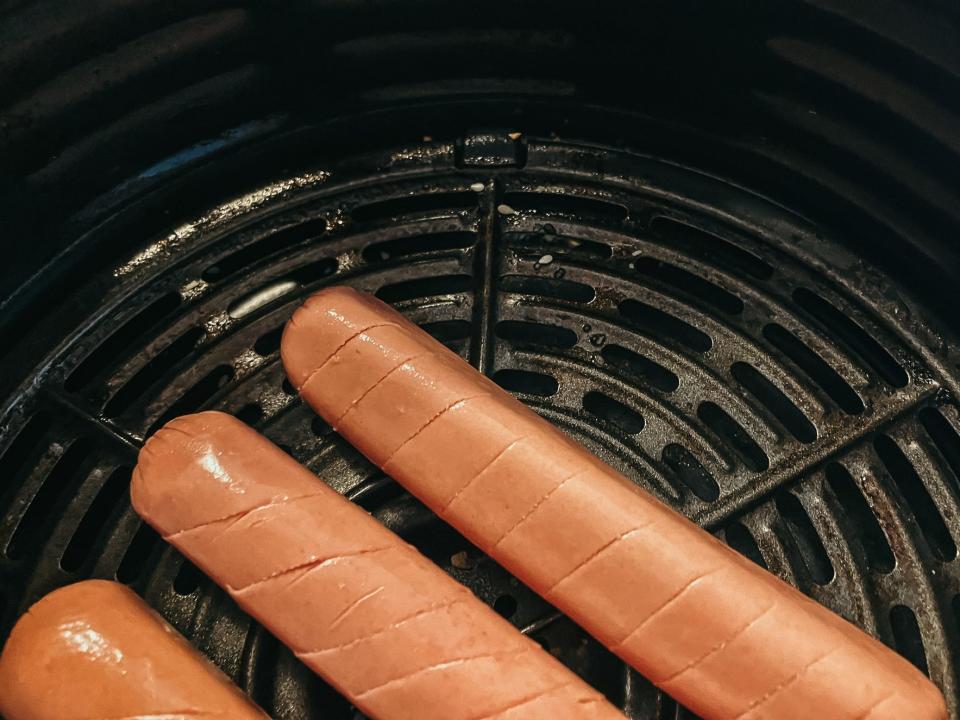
723, 636
94, 650
365, 610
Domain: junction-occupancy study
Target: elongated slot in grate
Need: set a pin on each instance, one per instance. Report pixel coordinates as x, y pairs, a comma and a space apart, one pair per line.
906, 635
449, 331
733, 435
554, 204
568, 290
522, 333
443, 202
924, 510
866, 528
526, 382
314, 272
24, 449
641, 368
854, 336
816, 368
947, 441
534, 245
710, 247
111, 496
251, 414
690, 472
134, 563
157, 367
660, 325
245, 257
268, 343
775, 400
689, 284
187, 579
198, 394
106, 354
404, 247
605, 407
409, 289
56, 489
806, 539
740, 539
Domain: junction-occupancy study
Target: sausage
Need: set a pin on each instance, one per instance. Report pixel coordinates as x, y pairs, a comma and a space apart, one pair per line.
363, 609
721, 635
96, 651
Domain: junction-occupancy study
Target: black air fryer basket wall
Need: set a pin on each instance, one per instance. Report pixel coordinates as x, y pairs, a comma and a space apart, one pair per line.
716, 242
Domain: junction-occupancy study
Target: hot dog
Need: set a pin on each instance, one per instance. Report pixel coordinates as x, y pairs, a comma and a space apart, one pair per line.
721, 635
94, 650
362, 608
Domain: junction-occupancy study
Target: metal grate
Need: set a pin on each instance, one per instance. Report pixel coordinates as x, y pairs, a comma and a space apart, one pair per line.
713, 346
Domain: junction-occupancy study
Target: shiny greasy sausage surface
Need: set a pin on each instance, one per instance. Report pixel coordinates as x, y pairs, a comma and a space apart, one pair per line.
721, 635
96, 651
366, 611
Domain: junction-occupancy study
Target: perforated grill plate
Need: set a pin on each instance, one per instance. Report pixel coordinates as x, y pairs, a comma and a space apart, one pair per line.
714, 347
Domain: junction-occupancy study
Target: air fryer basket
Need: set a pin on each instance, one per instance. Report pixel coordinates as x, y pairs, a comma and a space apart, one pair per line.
716, 242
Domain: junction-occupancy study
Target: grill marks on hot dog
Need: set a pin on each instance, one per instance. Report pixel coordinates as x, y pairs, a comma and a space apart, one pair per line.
395, 634
723, 636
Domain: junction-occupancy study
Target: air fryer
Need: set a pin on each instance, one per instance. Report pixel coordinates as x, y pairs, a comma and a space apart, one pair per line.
715, 242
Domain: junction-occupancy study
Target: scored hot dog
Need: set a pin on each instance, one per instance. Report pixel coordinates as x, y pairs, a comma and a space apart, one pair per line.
723, 636
96, 651
359, 606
